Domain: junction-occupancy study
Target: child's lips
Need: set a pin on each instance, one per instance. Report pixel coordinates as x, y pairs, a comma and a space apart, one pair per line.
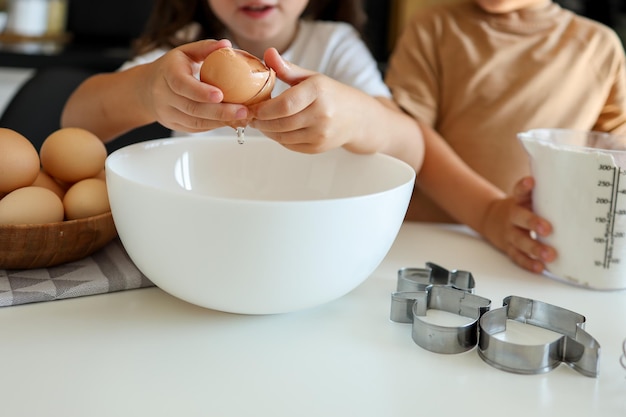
257, 10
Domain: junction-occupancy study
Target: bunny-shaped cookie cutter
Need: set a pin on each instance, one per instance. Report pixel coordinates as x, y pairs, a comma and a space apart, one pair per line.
434, 287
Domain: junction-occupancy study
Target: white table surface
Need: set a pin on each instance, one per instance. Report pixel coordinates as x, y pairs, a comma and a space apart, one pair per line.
145, 353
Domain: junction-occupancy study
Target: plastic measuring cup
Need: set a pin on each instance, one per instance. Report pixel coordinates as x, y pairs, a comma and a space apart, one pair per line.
580, 187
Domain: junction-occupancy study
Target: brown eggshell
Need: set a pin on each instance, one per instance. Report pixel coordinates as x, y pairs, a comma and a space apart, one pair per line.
46, 181
242, 77
19, 161
31, 205
266, 90
101, 175
86, 198
72, 154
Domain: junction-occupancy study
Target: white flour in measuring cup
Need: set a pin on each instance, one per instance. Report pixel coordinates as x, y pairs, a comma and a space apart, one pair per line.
577, 189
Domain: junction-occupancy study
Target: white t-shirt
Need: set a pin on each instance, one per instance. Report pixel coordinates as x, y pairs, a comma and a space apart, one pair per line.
331, 48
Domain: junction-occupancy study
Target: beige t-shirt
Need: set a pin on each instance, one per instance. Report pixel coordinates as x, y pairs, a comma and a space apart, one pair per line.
479, 79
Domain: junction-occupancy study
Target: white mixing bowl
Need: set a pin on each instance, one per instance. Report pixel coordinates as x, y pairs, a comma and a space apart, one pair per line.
255, 228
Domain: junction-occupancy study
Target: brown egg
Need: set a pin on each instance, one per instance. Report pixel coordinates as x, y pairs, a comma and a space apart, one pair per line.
31, 205
19, 161
86, 198
46, 181
72, 154
242, 77
101, 175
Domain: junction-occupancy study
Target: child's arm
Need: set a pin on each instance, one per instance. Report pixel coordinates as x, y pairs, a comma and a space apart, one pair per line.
318, 113
504, 221
166, 90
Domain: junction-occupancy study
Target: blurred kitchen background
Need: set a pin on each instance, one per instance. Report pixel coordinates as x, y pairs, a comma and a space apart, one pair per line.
96, 35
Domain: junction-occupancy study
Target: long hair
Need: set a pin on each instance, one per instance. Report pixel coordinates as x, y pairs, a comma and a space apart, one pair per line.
168, 17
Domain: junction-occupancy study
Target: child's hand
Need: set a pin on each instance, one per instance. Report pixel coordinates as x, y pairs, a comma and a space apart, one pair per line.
515, 223
316, 114
178, 100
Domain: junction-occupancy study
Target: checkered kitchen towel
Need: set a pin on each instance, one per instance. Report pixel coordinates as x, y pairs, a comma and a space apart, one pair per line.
108, 270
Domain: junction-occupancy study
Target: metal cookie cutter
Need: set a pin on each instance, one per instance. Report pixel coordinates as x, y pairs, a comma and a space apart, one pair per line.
576, 348
420, 289
418, 279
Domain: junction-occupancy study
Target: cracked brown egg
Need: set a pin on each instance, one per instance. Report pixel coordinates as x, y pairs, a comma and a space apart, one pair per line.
242, 77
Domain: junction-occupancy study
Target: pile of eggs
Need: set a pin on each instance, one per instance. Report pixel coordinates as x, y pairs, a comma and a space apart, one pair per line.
63, 181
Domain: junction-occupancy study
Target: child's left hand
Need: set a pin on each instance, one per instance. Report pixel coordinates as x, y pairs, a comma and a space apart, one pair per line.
316, 114
520, 224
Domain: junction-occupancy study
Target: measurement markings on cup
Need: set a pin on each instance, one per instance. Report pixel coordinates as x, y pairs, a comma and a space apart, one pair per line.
614, 210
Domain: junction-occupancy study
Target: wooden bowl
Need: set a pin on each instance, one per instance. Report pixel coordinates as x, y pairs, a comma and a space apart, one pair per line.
28, 246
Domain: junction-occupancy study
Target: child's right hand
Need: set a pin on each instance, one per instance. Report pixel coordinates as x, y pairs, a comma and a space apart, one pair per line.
167, 90
513, 224
177, 99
